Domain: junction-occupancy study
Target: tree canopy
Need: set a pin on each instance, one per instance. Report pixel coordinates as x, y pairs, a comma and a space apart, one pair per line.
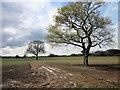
81, 24
35, 47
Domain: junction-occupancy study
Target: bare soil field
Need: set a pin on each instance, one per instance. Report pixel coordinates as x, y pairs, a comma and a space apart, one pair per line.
47, 75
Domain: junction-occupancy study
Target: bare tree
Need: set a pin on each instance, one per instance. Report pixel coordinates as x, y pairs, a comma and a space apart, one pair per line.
35, 47
80, 24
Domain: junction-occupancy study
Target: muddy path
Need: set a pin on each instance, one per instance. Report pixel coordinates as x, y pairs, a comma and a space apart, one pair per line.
39, 75
53, 77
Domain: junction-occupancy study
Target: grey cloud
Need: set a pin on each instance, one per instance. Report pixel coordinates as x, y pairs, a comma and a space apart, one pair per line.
11, 14
37, 35
5, 36
6, 51
34, 34
12, 43
11, 17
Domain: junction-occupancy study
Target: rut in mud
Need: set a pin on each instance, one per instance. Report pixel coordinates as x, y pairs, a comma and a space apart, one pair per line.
39, 76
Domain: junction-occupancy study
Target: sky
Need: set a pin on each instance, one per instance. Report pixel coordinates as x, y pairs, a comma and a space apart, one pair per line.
23, 22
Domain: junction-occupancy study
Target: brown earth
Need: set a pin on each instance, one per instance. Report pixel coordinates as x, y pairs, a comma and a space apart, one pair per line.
35, 75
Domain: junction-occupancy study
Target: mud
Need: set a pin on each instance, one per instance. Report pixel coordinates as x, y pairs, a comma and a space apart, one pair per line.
35, 75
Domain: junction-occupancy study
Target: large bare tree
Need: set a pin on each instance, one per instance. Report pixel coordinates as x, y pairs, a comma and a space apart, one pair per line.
35, 47
80, 24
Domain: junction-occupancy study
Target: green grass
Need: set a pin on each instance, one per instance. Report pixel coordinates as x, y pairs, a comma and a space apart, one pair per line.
74, 63
7, 62
79, 60
61, 60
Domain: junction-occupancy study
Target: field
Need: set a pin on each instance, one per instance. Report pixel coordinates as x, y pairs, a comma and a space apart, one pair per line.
60, 72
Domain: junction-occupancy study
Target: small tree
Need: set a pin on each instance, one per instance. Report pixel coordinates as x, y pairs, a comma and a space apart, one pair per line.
80, 24
17, 56
35, 47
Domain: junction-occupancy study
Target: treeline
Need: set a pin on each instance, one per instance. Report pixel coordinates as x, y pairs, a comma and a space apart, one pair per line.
109, 52
53, 55
17, 56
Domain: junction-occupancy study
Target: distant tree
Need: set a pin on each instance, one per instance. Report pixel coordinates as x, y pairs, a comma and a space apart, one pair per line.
52, 55
80, 24
35, 47
24, 56
109, 52
99, 53
112, 52
75, 55
17, 56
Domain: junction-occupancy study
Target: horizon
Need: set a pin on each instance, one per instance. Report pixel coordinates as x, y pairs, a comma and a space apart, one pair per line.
54, 54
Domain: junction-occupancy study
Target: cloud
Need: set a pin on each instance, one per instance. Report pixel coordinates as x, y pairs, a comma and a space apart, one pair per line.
26, 21
116, 35
23, 22
11, 14
62, 50
12, 51
8, 51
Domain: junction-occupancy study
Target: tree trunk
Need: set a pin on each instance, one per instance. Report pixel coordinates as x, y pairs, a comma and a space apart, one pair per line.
85, 62
36, 57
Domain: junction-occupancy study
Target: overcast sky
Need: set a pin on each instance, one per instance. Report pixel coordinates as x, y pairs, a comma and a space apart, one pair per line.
26, 21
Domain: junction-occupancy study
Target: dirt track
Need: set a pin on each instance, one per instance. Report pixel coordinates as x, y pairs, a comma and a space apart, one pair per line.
39, 76
36, 75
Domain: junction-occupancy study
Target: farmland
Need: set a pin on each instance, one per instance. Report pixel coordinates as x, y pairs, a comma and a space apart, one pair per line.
60, 72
